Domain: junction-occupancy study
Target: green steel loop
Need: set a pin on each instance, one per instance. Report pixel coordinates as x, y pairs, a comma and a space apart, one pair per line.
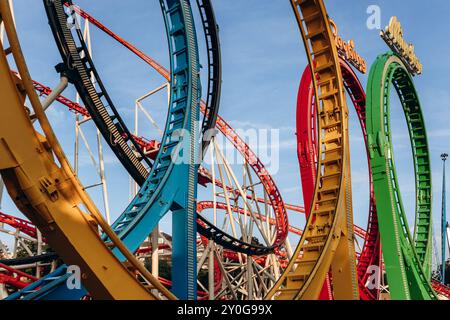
407, 259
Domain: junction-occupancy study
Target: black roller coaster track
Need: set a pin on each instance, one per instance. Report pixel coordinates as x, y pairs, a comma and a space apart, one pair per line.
46, 257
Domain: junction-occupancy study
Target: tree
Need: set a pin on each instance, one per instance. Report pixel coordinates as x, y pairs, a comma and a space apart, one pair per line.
4, 251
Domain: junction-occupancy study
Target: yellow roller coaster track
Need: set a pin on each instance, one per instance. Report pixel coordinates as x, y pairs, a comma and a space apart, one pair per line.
327, 243
51, 195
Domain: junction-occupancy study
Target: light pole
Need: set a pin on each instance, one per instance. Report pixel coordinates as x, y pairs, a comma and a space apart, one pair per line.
444, 158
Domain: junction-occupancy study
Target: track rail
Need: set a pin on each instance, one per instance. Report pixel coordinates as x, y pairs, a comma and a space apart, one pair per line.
50, 195
182, 104
441, 289
307, 155
151, 148
406, 259
80, 69
204, 205
329, 228
211, 32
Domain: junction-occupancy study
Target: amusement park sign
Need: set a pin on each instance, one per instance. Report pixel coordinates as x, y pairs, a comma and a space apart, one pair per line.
346, 50
393, 36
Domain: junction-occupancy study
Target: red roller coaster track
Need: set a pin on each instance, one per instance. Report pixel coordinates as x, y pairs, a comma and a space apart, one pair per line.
23, 226
15, 278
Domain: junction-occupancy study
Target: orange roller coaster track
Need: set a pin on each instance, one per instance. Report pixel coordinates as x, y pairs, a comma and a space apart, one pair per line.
328, 238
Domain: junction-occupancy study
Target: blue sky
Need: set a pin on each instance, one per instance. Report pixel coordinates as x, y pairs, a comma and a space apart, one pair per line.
263, 59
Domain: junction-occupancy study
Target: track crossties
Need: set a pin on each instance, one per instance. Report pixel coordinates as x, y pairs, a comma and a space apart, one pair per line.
407, 259
331, 209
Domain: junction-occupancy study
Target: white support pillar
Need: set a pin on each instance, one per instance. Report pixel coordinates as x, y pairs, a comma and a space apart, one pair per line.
155, 252
211, 283
2, 32
103, 177
101, 171
39, 252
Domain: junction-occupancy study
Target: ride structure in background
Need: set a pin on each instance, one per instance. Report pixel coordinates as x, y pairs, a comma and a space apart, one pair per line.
209, 110
152, 146
50, 195
325, 263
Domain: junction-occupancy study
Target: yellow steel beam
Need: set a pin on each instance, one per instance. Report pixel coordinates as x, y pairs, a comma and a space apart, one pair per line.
328, 238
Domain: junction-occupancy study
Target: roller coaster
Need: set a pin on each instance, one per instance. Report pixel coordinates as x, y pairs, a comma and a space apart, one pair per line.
236, 238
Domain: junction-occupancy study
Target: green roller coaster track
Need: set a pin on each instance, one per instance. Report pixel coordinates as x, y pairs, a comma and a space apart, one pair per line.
407, 258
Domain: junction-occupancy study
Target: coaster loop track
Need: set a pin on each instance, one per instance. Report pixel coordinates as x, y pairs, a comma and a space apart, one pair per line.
158, 192
211, 32
50, 195
307, 155
406, 258
329, 229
